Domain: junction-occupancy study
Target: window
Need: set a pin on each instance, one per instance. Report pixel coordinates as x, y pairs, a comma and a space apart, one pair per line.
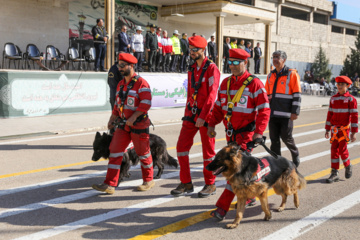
247, 2
336, 29
294, 13
320, 18
350, 32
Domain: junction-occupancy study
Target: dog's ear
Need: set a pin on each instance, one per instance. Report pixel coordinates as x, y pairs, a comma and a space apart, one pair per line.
98, 134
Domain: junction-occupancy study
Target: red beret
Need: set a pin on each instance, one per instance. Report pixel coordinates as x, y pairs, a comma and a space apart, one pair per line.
127, 57
198, 41
343, 79
239, 53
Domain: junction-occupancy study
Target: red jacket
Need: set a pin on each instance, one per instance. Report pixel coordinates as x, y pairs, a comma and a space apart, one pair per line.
255, 104
138, 99
207, 92
342, 111
166, 45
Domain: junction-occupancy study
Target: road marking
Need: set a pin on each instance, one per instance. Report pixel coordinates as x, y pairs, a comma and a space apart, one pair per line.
174, 227
89, 162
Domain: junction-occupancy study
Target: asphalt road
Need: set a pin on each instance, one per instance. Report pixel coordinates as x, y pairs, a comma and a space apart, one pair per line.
45, 193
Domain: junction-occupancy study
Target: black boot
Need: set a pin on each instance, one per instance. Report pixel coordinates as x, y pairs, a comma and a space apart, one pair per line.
348, 171
334, 176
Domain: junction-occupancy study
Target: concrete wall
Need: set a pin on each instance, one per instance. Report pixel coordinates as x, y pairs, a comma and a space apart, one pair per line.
41, 22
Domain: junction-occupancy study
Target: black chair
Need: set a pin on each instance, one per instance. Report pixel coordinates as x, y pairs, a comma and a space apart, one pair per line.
73, 56
90, 57
11, 52
32, 53
53, 55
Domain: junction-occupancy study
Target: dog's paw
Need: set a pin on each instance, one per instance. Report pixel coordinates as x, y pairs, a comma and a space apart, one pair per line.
267, 217
231, 225
280, 209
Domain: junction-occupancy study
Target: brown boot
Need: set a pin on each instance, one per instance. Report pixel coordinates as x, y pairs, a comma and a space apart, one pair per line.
207, 191
146, 186
182, 188
334, 176
104, 188
348, 171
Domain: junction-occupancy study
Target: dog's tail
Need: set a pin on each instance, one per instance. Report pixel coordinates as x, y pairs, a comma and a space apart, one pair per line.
302, 180
172, 162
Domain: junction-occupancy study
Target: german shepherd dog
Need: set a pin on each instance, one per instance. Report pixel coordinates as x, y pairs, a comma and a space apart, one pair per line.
158, 150
248, 180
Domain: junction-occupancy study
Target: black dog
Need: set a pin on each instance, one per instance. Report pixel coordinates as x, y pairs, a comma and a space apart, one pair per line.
158, 150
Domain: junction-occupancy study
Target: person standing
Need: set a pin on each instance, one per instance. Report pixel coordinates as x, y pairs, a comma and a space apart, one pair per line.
167, 49
100, 39
124, 40
137, 45
159, 56
341, 118
226, 49
247, 119
152, 47
130, 108
114, 77
176, 51
203, 82
284, 92
257, 57
184, 43
241, 45
248, 49
212, 49
233, 44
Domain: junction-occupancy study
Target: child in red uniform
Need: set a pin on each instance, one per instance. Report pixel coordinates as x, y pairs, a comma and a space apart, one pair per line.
342, 117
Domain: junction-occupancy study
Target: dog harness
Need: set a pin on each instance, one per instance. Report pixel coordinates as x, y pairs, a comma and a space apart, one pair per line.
196, 85
230, 132
262, 171
335, 130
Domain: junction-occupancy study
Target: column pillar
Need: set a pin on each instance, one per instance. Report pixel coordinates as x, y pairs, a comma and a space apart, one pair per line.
267, 60
110, 29
220, 18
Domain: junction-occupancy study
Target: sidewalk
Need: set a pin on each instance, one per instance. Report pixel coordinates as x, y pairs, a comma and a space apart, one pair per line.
97, 121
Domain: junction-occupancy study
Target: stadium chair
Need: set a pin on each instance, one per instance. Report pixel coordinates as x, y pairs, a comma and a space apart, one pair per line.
12, 52
54, 55
73, 56
90, 57
33, 54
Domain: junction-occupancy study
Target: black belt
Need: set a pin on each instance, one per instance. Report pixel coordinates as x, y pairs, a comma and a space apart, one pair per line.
232, 133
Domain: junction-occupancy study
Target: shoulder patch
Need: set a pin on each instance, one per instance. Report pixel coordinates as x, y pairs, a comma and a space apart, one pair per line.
111, 75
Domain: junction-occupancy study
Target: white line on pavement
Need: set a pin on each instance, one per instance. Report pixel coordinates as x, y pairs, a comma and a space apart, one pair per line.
308, 223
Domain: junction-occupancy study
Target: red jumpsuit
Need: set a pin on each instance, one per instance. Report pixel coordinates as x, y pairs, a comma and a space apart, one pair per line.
253, 106
342, 112
138, 99
205, 101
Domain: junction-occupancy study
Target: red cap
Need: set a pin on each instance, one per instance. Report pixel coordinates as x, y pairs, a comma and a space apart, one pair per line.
343, 79
127, 57
239, 53
198, 41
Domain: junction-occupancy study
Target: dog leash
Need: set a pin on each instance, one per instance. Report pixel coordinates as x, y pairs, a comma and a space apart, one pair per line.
260, 141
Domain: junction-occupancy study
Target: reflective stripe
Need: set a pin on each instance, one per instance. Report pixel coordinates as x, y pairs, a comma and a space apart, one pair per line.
243, 110
218, 103
113, 166
296, 103
285, 114
340, 110
296, 95
134, 94
144, 90
342, 98
335, 160
353, 110
182, 154
279, 95
131, 108
145, 156
147, 166
268, 78
330, 109
328, 123
344, 161
261, 106
260, 91
114, 155
354, 125
146, 102
209, 159
228, 187
224, 92
288, 82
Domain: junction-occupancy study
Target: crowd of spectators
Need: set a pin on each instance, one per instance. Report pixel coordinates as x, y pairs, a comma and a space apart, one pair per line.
245, 46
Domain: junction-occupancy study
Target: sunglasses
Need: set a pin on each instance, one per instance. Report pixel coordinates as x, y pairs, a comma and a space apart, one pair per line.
194, 49
235, 62
122, 65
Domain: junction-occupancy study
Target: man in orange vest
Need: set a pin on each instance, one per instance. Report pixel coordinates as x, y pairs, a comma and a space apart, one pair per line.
284, 92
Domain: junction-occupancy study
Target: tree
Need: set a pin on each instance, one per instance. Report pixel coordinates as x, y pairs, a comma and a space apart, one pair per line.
352, 61
320, 67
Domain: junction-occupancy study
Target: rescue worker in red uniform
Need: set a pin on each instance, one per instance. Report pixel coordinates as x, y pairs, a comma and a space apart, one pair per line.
284, 92
133, 100
243, 106
342, 117
203, 83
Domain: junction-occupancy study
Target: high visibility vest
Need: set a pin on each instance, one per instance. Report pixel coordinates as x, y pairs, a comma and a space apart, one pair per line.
176, 44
